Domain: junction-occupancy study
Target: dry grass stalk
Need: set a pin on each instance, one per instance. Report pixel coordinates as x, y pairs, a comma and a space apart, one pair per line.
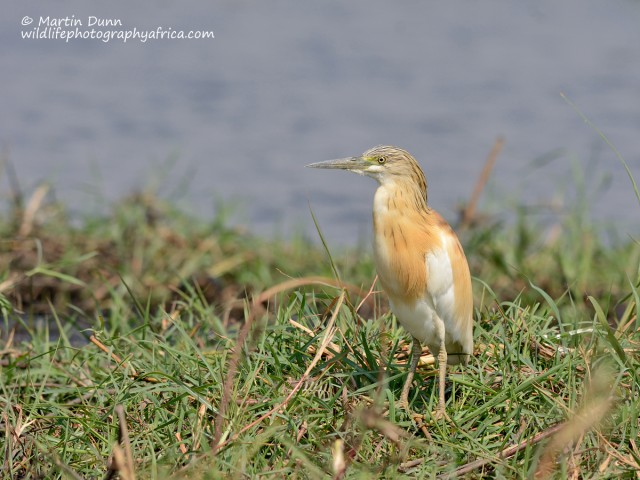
469, 213
29, 214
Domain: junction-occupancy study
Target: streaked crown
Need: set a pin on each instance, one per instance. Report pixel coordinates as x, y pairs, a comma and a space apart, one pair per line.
397, 162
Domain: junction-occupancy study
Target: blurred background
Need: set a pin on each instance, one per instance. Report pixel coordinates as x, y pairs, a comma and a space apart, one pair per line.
233, 120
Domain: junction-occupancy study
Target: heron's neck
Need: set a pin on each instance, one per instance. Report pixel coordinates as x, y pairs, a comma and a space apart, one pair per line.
399, 198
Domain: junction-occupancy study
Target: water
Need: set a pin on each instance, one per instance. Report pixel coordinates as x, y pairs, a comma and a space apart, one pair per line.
287, 83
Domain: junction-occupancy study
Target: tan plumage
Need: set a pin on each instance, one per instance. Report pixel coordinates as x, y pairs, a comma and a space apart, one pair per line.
419, 259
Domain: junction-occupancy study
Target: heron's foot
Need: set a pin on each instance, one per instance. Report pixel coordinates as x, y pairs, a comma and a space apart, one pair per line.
441, 414
418, 419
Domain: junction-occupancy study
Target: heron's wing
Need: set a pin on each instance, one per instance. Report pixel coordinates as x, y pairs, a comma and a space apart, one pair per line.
449, 288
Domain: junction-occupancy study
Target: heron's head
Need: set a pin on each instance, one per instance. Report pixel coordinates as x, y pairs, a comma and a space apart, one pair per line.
384, 163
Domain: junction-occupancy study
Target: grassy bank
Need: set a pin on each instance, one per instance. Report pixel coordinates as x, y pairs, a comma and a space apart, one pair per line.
207, 353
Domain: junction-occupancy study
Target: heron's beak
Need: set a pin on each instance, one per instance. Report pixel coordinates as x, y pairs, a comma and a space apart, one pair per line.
354, 164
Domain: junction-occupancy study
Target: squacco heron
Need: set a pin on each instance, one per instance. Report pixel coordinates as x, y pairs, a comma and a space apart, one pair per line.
420, 262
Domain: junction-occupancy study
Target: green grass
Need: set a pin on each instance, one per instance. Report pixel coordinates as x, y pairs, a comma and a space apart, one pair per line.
218, 379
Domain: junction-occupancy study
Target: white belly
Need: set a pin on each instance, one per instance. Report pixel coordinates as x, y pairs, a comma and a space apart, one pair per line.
422, 322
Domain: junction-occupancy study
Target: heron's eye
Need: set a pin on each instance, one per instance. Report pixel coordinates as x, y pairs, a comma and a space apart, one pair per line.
382, 160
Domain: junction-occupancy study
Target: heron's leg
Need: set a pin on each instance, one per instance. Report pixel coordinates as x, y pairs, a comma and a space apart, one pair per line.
416, 351
442, 373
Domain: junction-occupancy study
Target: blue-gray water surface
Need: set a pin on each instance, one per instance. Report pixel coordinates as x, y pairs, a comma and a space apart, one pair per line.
286, 83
